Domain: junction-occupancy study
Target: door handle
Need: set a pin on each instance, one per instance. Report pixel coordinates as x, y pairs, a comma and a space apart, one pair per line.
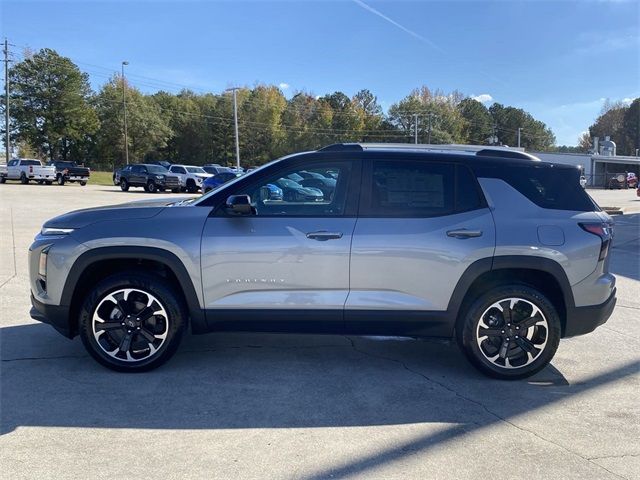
464, 233
324, 236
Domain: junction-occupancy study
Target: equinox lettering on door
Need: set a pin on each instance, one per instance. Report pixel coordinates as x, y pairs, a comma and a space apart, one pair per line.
255, 280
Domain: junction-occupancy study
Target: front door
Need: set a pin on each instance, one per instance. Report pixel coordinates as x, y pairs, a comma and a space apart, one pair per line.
286, 267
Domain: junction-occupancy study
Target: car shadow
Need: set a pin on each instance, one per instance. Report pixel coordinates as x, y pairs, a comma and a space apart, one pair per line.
226, 381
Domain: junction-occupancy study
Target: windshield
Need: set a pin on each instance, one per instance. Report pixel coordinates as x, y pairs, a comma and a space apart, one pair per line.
195, 170
156, 169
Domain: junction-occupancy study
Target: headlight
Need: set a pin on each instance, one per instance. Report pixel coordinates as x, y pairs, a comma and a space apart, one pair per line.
160, 177
198, 179
55, 231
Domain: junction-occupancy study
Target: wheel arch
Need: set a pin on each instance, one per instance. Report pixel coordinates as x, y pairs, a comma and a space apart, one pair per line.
96, 264
541, 273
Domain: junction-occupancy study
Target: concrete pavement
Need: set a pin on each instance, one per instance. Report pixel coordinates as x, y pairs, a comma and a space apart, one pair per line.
307, 407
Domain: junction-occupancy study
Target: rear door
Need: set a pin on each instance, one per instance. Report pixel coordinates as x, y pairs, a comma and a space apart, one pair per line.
422, 223
287, 266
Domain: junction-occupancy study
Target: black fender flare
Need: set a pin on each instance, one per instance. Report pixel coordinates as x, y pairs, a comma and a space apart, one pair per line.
170, 260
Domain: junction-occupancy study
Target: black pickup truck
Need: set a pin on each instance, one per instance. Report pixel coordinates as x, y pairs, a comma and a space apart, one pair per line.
70, 172
153, 178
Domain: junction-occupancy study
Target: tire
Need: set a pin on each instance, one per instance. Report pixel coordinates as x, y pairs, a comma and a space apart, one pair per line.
514, 362
191, 186
3, 179
151, 187
23, 179
60, 179
124, 185
137, 354
82, 183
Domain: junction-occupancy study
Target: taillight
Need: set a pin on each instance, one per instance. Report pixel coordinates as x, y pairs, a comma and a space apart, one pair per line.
603, 230
30, 168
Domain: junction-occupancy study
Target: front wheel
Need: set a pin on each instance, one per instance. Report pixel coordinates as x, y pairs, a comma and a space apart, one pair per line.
151, 187
124, 185
132, 322
83, 183
3, 179
191, 186
510, 332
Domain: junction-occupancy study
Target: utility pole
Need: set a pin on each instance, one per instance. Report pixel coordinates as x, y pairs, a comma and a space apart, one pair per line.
235, 121
124, 105
7, 144
519, 130
416, 128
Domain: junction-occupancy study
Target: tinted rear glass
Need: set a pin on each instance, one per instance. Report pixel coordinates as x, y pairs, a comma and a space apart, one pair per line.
30, 162
545, 185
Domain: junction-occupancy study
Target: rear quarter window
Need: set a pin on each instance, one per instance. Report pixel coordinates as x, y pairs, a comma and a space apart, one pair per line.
548, 186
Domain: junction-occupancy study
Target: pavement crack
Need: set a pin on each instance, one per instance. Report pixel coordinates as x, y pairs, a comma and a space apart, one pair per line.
633, 455
481, 405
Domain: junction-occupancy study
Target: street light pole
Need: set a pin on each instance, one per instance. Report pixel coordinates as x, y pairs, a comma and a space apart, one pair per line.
235, 121
519, 130
124, 105
416, 128
7, 140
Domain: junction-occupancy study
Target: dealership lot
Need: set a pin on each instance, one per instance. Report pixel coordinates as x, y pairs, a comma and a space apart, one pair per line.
309, 407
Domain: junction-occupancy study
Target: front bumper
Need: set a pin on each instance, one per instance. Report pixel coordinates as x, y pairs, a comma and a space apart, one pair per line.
582, 320
55, 315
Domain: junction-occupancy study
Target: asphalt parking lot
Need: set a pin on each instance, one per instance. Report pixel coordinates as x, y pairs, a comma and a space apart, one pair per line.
308, 407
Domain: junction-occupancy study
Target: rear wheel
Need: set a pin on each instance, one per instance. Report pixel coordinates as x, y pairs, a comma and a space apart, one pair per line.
124, 185
60, 179
23, 178
132, 322
3, 179
83, 183
510, 332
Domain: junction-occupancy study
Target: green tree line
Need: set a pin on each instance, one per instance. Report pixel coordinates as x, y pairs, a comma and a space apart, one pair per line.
56, 115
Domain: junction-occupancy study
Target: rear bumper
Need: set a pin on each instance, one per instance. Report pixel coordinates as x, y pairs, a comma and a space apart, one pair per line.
581, 320
55, 315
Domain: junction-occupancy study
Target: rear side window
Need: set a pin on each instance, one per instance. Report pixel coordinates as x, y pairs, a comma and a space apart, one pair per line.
412, 189
545, 185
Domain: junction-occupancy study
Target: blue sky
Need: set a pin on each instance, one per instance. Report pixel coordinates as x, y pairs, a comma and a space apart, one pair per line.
557, 59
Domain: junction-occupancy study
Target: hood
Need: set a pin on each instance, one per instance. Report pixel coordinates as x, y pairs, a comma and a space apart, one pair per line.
134, 210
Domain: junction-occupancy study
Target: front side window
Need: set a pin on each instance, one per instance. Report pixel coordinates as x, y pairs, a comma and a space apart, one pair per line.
412, 189
281, 195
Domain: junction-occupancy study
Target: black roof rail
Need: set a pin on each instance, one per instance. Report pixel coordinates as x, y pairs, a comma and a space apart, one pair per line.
342, 147
494, 152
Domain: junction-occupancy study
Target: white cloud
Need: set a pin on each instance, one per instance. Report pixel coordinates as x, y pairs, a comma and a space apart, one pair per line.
483, 98
284, 86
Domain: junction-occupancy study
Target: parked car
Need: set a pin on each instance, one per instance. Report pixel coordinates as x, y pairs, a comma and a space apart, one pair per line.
294, 192
217, 180
27, 169
162, 163
190, 176
506, 255
70, 172
152, 178
214, 168
632, 180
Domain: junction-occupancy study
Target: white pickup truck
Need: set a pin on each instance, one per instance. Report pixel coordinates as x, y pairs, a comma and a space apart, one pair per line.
25, 170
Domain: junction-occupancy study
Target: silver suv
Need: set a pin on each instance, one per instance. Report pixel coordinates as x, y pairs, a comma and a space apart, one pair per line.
503, 252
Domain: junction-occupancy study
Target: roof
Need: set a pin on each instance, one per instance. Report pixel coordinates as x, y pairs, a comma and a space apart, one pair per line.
468, 150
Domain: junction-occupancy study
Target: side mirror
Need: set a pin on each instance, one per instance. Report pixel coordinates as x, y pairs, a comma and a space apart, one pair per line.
239, 205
